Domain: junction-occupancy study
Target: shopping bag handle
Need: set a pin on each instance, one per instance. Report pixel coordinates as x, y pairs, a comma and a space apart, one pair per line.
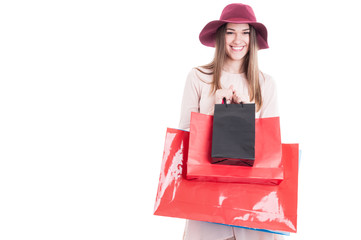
224, 101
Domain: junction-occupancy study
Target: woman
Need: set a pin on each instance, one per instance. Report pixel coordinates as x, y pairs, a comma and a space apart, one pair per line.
233, 74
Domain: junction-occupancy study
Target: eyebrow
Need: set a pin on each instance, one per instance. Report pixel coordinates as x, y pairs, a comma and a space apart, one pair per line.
247, 29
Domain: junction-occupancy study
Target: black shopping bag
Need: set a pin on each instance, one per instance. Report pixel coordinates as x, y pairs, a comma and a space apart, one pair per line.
233, 137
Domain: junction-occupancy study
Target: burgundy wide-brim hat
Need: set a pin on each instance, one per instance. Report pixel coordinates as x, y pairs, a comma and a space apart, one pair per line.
234, 13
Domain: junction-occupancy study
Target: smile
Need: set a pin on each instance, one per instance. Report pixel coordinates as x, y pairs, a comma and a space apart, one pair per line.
238, 49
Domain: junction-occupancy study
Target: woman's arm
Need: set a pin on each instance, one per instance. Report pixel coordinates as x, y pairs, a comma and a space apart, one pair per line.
191, 97
270, 99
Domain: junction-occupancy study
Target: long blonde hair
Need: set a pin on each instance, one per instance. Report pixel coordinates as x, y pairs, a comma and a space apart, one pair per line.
250, 65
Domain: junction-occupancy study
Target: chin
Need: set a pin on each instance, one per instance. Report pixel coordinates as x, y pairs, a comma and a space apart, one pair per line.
236, 58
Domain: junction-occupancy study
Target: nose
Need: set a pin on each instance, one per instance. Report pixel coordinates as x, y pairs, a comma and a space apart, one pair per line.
238, 38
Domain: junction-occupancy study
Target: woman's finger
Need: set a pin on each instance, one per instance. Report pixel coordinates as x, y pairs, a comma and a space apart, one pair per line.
224, 93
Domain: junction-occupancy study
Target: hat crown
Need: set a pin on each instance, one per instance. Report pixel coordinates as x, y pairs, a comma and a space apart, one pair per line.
238, 11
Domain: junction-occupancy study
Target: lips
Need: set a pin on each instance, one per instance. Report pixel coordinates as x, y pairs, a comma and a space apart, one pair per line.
237, 48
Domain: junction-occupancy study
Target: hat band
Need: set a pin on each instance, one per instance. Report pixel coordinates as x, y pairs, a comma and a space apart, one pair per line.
239, 20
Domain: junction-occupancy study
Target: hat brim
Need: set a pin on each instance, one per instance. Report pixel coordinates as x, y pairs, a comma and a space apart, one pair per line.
208, 34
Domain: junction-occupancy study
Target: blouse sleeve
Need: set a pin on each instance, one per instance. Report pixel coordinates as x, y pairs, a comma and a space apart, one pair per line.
270, 101
190, 102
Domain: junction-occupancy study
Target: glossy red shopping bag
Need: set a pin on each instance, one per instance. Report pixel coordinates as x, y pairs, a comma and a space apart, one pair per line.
267, 167
248, 205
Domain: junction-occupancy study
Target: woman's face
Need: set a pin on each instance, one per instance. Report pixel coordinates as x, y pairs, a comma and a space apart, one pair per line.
237, 40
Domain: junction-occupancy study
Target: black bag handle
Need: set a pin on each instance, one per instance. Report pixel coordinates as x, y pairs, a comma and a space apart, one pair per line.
224, 101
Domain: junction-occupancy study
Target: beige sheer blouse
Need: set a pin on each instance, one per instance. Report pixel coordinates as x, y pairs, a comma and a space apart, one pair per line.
197, 96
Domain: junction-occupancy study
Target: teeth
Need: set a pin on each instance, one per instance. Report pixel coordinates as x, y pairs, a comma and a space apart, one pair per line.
237, 48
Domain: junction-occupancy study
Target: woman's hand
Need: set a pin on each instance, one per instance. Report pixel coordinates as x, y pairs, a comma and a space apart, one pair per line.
238, 98
231, 95
224, 93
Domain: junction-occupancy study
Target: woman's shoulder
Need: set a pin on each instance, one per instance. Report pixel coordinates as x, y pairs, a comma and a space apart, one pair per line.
201, 74
266, 80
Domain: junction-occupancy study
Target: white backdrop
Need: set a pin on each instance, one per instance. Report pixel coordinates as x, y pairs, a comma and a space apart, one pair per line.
88, 88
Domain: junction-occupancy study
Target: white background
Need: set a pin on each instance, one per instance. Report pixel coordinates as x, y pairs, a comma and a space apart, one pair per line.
88, 88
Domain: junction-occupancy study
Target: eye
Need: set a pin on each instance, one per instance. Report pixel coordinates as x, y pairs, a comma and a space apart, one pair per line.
229, 33
246, 32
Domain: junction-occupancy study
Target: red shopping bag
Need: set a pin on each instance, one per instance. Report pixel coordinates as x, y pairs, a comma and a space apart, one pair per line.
267, 167
248, 205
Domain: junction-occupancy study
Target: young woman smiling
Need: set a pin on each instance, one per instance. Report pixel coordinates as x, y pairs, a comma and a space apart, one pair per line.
232, 74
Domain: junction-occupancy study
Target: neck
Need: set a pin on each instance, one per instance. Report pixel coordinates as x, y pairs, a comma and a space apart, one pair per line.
232, 66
